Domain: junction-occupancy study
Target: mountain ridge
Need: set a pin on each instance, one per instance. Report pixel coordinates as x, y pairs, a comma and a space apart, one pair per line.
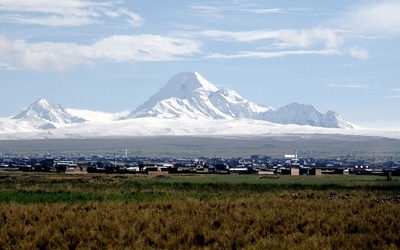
175, 109
189, 95
304, 114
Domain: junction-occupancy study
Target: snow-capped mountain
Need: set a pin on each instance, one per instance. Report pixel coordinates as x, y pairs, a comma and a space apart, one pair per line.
185, 99
302, 114
189, 95
45, 115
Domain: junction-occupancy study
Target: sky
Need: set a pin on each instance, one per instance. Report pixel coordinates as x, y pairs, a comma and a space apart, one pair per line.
112, 56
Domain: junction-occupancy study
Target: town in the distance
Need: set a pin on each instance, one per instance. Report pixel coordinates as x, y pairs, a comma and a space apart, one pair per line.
290, 164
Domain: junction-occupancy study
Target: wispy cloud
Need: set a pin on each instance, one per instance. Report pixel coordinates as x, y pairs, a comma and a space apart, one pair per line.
358, 52
252, 54
217, 11
63, 13
287, 38
348, 86
378, 16
395, 94
6, 66
118, 48
208, 11
264, 11
133, 18
284, 42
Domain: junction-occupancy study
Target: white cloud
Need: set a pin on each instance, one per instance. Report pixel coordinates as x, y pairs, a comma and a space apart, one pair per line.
97, 116
21, 54
395, 96
52, 20
5, 46
207, 9
134, 18
208, 12
6, 66
63, 13
379, 16
251, 54
143, 48
358, 52
216, 11
310, 37
50, 6
265, 11
348, 86
283, 38
314, 41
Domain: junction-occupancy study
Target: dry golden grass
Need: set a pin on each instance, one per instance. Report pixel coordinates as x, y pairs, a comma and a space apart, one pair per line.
42, 211
280, 222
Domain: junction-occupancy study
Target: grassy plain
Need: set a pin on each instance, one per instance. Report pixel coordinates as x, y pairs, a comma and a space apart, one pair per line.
92, 211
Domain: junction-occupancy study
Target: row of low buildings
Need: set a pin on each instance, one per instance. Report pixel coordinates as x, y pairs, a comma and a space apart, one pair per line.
287, 165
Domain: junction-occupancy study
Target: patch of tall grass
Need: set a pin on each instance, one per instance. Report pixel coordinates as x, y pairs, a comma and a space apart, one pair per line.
51, 188
198, 212
39, 196
280, 222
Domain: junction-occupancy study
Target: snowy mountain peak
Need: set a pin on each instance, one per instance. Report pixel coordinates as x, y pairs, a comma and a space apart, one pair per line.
185, 83
189, 95
43, 110
43, 103
205, 84
39, 107
179, 86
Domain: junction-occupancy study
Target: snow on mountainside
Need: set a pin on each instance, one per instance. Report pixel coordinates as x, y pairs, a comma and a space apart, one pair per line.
153, 126
10, 126
186, 99
302, 114
189, 95
45, 115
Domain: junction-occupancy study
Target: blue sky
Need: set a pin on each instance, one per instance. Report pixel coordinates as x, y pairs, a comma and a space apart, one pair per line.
113, 55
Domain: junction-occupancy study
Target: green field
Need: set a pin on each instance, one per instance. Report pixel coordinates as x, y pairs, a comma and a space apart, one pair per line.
70, 188
92, 211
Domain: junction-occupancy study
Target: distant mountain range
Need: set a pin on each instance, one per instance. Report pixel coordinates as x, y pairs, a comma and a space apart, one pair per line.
189, 95
186, 98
